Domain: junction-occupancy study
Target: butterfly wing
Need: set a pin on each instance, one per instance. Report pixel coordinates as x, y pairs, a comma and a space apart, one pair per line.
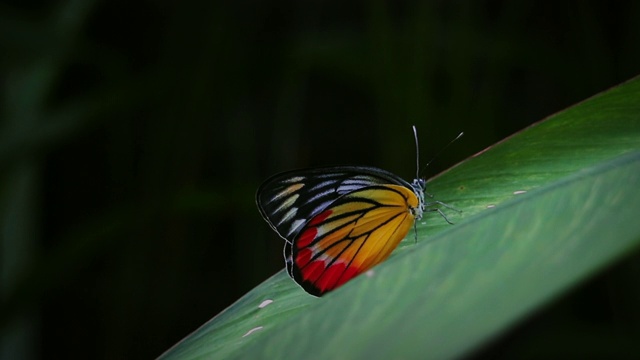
337, 222
358, 231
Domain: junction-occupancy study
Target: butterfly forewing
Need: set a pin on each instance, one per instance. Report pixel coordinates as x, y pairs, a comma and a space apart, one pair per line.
288, 200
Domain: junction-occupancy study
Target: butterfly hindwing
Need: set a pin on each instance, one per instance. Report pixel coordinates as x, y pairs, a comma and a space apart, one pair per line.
358, 231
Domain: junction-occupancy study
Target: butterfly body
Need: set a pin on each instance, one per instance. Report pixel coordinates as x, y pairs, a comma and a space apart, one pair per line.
338, 222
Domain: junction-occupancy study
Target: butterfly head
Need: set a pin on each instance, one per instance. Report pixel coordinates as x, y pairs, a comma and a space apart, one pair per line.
419, 186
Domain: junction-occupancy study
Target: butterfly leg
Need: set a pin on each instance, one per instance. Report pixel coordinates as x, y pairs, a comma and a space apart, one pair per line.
441, 213
443, 204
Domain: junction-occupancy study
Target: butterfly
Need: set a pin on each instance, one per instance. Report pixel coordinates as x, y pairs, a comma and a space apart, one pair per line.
338, 222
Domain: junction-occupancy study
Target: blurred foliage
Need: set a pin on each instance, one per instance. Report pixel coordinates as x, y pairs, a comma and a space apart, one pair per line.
134, 134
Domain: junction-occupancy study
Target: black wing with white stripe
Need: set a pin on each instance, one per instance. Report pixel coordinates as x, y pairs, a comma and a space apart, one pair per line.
288, 200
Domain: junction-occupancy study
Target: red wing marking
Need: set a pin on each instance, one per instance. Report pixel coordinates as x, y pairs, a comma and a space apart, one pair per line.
307, 236
336, 275
310, 232
318, 219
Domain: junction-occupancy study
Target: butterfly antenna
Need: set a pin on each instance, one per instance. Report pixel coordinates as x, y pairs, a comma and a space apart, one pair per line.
415, 136
441, 150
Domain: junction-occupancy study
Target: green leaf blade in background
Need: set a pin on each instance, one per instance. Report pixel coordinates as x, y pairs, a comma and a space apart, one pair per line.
242, 323
542, 210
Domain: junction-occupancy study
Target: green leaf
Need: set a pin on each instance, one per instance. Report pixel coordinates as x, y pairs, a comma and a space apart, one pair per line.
542, 210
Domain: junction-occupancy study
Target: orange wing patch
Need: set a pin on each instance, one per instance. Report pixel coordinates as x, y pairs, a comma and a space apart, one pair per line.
353, 234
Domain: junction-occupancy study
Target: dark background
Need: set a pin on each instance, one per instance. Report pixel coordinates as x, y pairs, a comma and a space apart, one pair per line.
134, 134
